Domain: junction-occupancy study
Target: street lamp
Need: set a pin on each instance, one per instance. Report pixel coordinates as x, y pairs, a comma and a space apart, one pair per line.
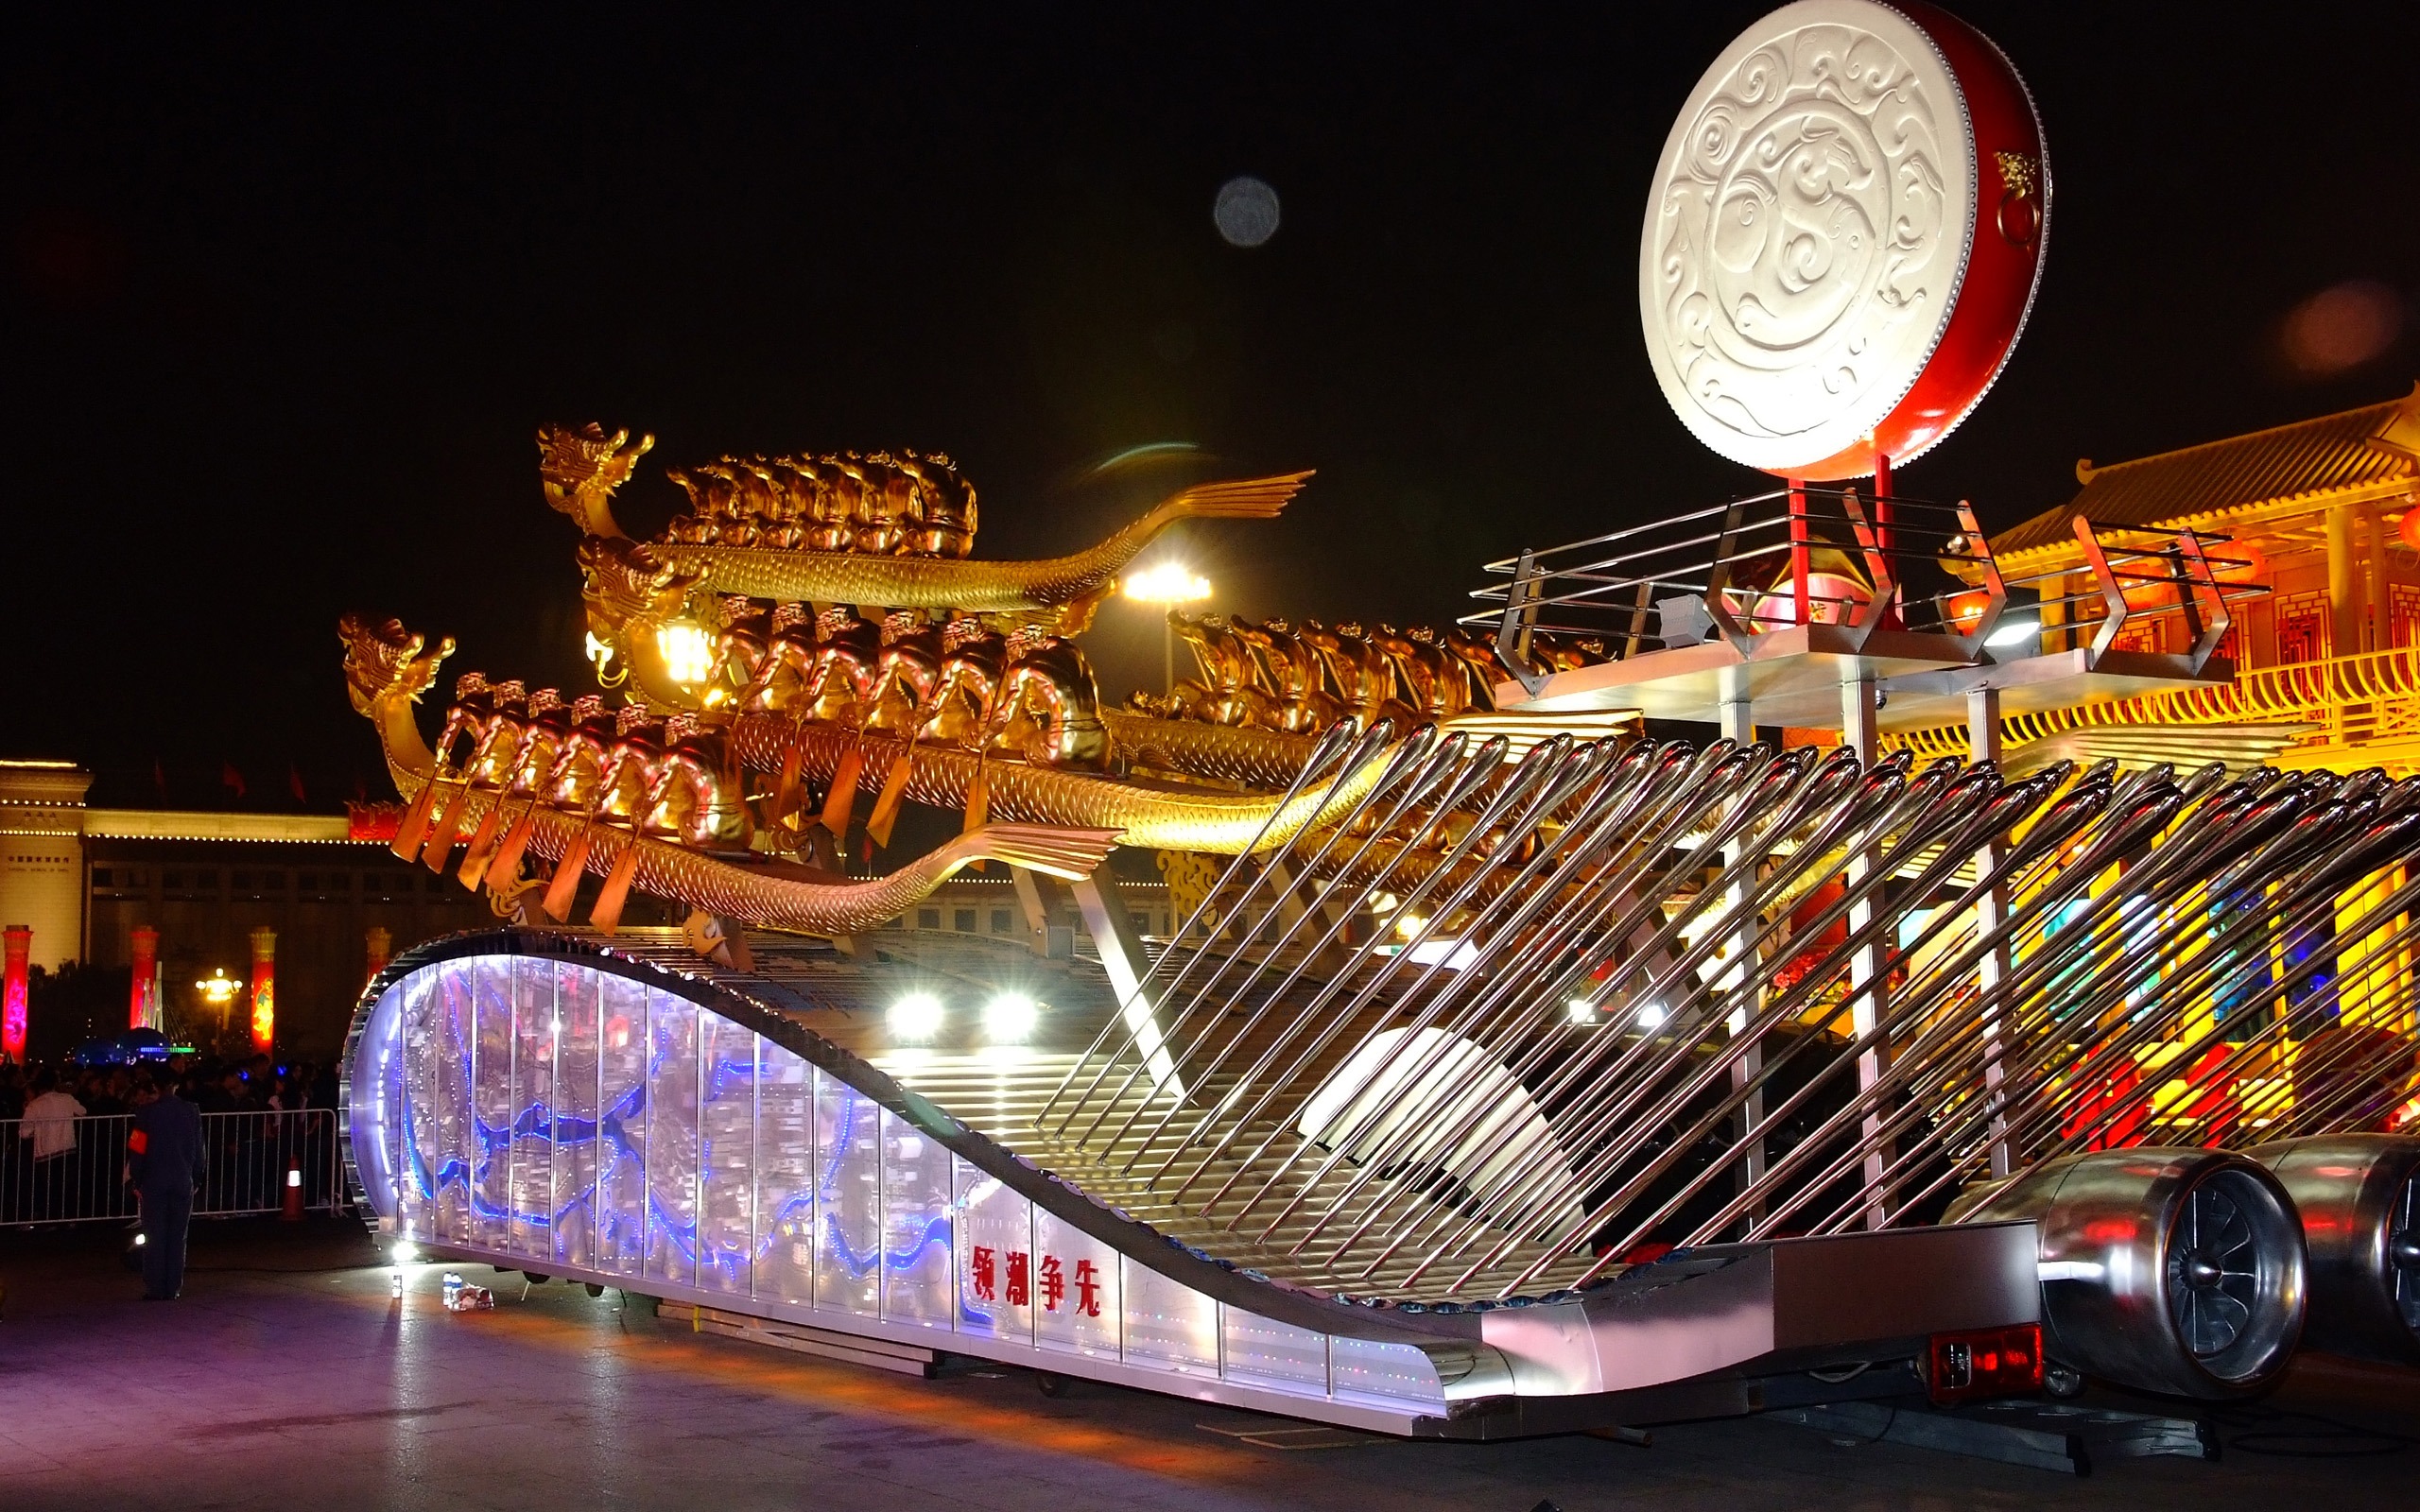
219, 991
1166, 584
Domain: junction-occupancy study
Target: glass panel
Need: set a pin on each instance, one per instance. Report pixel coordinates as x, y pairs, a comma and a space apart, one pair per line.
533, 1092
1267, 1354
577, 1144
449, 1097
727, 1154
1168, 1321
1383, 1372
492, 1125
374, 1102
417, 1144
672, 1138
621, 1196
994, 1231
848, 1198
785, 1269
915, 1210
1075, 1288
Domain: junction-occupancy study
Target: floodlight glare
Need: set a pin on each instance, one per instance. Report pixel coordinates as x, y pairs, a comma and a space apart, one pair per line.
1009, 1019
1167, 582
1651, 1016
1580, 1010
2014, 632
917, 1016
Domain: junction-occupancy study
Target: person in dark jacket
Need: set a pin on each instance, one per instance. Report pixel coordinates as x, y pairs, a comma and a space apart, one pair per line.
164, 1160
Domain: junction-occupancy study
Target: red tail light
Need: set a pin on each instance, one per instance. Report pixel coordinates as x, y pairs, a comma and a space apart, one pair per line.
1977, 1362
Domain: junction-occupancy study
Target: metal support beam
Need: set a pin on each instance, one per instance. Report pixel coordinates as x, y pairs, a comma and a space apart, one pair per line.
1122, 958
1037, 913
1991, 911
1861, 733
1738, 724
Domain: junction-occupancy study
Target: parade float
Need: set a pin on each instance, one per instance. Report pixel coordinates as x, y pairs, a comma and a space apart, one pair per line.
1516, 1066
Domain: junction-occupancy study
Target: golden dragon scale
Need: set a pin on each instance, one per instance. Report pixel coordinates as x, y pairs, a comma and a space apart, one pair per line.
1255, 758
1154, 817
970, 587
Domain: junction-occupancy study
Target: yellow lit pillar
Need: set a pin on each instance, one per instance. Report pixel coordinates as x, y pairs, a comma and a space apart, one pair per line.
2343, 584
2375, 542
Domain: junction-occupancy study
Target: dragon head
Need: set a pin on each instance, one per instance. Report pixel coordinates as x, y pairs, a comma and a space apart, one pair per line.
623, 580
383, 661
579, 469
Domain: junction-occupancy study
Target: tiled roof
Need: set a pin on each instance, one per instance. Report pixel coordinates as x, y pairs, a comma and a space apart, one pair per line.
2329, 455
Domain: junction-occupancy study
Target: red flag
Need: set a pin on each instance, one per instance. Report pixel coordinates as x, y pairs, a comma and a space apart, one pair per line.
232, 779
294, 784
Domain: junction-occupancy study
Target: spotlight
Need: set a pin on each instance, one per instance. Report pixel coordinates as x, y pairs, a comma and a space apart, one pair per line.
1651, 1016
2014, 632
403, 1254
915, 1017
1009, 1017
1580, 1010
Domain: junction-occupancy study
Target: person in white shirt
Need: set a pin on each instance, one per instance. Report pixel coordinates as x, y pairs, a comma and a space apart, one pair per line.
49, 1128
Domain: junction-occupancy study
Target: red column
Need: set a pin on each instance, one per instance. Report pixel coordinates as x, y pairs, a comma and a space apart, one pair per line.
263, 988
143, 1002
13, 993
1798, 541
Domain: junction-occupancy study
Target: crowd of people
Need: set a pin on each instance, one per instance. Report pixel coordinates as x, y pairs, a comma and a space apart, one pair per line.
65, 1129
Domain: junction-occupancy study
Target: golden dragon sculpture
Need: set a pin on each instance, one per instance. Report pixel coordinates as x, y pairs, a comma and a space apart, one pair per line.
896, 506
388, 669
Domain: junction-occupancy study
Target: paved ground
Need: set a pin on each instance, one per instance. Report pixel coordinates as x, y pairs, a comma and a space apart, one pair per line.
287, 1378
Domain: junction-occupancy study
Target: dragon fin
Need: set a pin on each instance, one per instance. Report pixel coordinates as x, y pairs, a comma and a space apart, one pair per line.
1237, 499
1066, 853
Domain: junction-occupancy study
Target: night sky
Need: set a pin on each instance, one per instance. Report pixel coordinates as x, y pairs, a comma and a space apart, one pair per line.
285, 298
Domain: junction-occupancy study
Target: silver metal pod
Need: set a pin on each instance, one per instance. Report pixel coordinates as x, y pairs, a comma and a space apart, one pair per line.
2170, 1270
2359, 1199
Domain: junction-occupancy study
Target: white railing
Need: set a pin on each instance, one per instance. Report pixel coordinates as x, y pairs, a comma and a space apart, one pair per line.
250, 1159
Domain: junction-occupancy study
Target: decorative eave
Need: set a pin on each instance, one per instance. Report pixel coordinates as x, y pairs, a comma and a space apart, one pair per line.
2362, 456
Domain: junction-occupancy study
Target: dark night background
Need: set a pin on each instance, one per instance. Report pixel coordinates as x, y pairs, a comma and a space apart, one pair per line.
286, 296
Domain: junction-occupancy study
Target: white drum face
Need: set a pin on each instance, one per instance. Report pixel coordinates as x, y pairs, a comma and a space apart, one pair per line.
1807, 232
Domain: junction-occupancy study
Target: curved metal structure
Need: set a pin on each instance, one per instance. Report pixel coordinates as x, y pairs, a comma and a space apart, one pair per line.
748, 1142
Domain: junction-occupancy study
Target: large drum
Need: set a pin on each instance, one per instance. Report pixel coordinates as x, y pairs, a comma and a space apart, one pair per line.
1843, 237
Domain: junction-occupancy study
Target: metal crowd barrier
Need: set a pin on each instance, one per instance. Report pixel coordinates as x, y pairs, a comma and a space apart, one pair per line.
252, 1157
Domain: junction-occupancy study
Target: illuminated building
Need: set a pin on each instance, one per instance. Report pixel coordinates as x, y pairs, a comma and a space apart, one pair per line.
2317, 516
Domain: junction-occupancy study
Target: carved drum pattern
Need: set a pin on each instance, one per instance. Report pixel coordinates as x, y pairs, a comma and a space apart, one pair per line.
1843, 237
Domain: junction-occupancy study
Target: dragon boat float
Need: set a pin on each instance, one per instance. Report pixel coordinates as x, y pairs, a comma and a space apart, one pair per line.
1522, 1067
